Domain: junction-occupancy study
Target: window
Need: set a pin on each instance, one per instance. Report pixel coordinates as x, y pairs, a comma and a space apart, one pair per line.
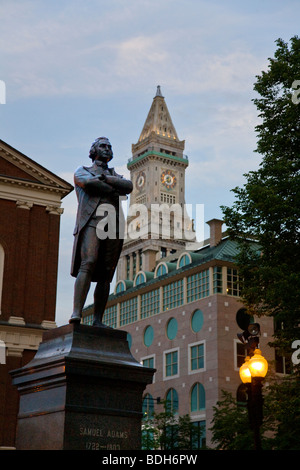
110, 316
161, 270
173, 294
199, 435
198, 286
283, 364
148, 336
148, 362
171, 363
217, 280
184, 260
129, 340
197, 321
196, 357
120, 287
233, 282
168, 198
150, 303
133, 264
172, 401
172, 328
127, 266
128, 311
148, 406
240, 354
140, 278
197, 398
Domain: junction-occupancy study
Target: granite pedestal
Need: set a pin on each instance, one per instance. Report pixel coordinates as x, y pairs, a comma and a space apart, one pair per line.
82, 390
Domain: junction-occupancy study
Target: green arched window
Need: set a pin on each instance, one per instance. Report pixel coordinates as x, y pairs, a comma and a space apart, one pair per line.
184, 260
140, 279
161, 270
148, 406
197, 397
120, 287
172, 400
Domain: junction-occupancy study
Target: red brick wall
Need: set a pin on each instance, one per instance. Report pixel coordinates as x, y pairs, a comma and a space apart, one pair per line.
30, 241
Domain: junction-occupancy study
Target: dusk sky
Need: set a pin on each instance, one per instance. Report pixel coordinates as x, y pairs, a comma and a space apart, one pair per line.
76, 70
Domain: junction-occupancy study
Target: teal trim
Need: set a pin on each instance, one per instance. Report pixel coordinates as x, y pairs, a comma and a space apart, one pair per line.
159, 154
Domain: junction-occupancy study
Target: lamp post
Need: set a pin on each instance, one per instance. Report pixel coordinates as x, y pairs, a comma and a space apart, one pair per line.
252, 373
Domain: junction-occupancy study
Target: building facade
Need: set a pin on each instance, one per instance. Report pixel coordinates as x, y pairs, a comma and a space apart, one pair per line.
178, 301
30, 208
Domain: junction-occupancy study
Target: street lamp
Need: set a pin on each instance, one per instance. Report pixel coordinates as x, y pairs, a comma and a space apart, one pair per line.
252, 373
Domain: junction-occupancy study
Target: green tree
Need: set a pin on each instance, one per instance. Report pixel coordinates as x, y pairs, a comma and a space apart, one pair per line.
267, 207
282, 406
281, 424
165, 430
230, 425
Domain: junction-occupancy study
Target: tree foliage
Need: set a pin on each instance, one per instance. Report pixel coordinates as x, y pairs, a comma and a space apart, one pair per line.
267, 207
281, 424
165, 430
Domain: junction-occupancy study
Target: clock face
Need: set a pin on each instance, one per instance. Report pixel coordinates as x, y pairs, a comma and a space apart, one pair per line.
140, 180
168, 179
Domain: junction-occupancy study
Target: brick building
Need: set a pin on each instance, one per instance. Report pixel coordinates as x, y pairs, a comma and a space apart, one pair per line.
30, 210
178, 301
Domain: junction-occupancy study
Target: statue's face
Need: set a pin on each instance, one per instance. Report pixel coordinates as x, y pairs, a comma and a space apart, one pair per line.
103, 150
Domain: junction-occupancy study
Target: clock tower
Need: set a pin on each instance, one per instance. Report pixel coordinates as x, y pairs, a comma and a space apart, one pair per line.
157, 222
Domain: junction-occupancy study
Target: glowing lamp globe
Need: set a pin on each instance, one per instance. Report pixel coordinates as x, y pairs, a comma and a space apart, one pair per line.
244, 372
258, 365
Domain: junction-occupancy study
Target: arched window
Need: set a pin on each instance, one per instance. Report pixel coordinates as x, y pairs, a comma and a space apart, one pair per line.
120, 287
161, 269
148, 406
184, 260
172, 401
140, 278
197, 397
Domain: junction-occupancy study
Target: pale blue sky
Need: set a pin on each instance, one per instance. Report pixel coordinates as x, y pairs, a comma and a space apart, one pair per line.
75, 70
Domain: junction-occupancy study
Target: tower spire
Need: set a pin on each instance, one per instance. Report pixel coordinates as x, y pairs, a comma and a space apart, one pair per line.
158, 122
158, 91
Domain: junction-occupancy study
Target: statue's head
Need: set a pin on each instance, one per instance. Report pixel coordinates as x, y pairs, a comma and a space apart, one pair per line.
101, 150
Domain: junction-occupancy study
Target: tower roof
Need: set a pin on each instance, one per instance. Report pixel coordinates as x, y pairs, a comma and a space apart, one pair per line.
159, 120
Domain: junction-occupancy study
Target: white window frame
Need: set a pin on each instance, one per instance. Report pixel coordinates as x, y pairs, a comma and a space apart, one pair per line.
170, 377
202, 369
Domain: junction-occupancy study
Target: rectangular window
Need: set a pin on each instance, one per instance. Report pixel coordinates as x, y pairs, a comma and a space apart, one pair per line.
240, 353
217, 280
196, 357
148, 362
198, 434
173, 295
128, 311
150, 303
198, 285
171, 363
233, 287
110, 316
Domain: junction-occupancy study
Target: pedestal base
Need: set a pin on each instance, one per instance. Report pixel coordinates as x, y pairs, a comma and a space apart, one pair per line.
82, 390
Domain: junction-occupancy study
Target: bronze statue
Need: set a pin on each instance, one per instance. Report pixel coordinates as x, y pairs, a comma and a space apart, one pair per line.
95, 257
